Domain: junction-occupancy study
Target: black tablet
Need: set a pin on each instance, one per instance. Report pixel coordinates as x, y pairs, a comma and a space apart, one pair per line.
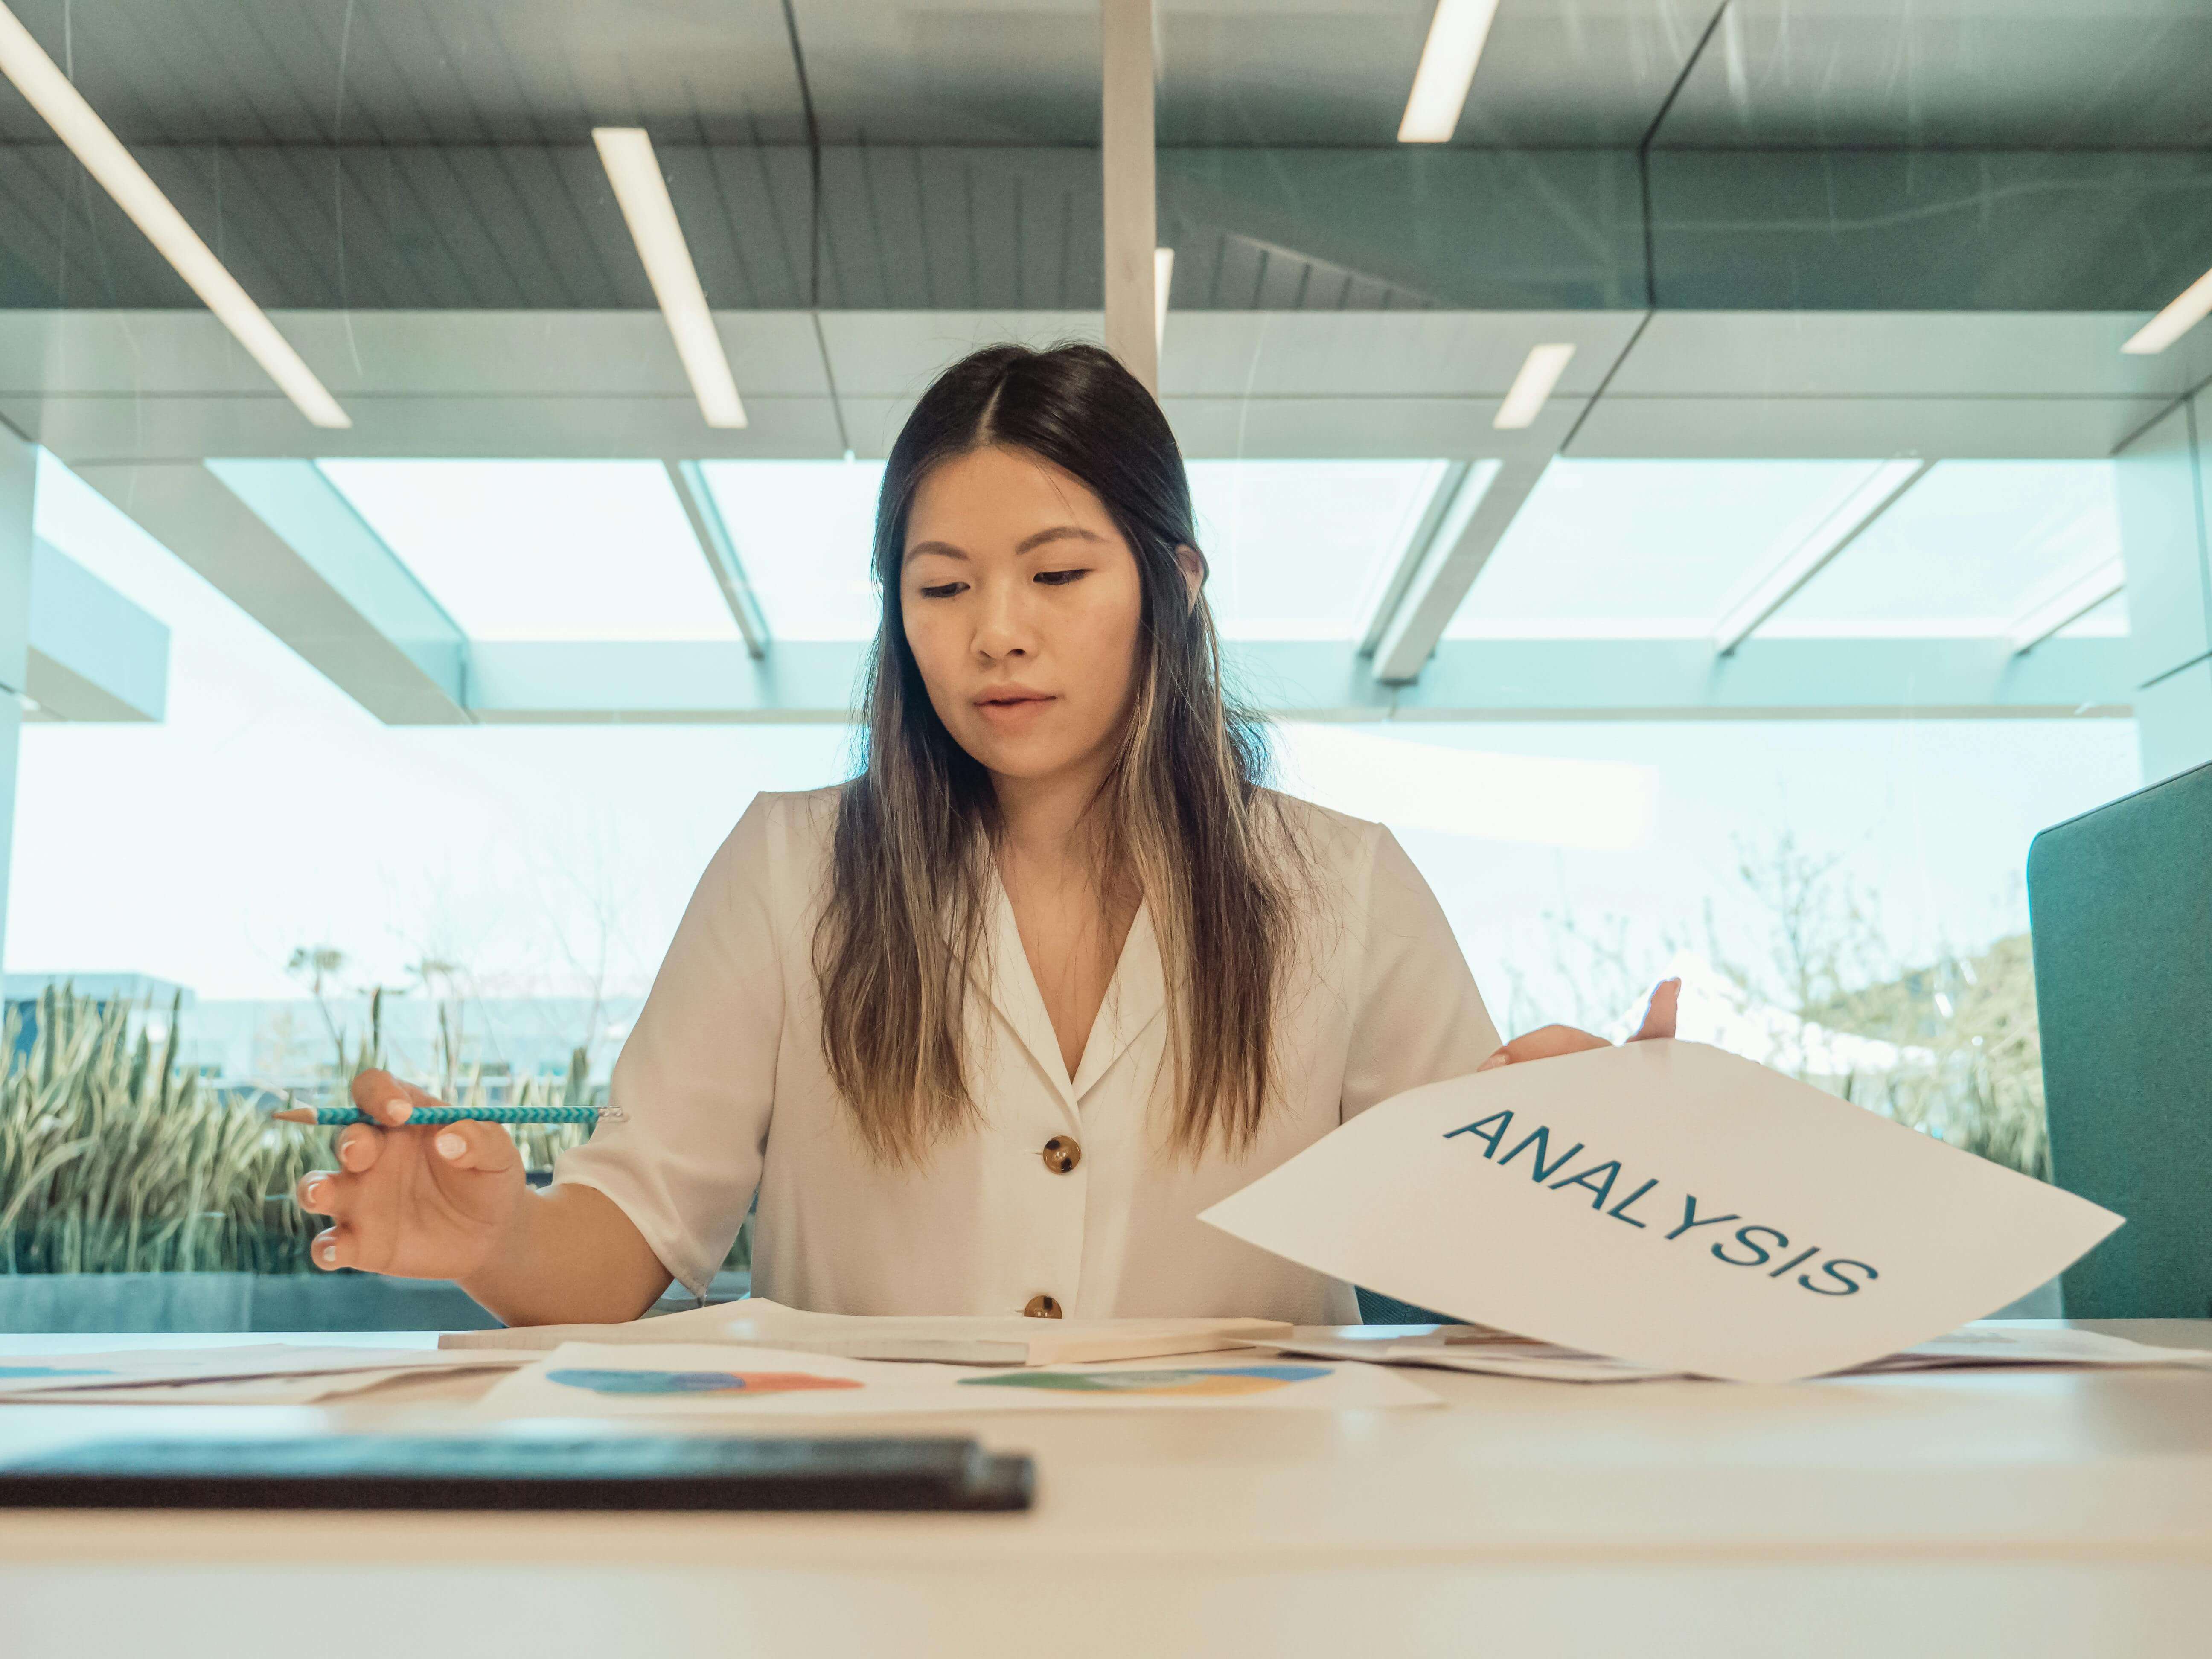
613, 1471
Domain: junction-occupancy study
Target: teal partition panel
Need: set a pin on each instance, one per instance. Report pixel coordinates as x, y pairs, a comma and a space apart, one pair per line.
2121, 905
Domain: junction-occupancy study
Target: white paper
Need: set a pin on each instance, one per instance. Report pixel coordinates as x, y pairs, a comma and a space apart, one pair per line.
1667, 1203
305, 1389
948, 1339
2000, 1343
1977, 1346
1543, 1361
582, 1379
48, 1375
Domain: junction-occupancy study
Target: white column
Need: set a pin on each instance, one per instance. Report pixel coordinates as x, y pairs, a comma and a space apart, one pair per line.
2169, 570
18, 484
1126, 143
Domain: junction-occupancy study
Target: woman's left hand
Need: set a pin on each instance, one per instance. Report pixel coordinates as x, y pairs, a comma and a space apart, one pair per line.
1547, 1041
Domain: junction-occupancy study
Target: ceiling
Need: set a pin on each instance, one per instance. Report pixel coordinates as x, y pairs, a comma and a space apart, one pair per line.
1791, 231
2018, 155
2070, 74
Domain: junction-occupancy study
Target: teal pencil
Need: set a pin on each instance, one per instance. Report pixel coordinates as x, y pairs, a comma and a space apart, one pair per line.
431, 1117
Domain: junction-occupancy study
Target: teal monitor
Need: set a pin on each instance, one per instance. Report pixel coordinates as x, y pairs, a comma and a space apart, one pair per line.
2120, 902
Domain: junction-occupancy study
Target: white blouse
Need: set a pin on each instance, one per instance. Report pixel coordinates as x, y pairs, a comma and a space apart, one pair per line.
724, 1090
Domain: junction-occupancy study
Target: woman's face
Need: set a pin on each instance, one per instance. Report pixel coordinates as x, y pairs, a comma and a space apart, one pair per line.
1021, 602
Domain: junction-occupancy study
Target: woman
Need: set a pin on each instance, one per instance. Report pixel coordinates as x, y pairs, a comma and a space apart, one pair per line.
986, 1026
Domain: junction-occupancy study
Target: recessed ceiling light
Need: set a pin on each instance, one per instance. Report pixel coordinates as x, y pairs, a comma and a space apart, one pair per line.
1525, 398
48, 91
1447, 70
2190, 308
627, 154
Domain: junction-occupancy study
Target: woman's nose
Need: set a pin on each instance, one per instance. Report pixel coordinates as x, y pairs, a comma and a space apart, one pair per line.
1002, 627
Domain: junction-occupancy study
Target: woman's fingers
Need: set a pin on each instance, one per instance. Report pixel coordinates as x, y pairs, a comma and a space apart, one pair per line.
1544, 1043
1659, 1016
359, 1147
472, 1145
331, 1248
321, 1192
384, 1098
1547, 1042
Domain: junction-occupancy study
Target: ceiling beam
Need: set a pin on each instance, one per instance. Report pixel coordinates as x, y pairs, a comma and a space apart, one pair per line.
285, 547
690, 482
1450, 474
94, 655
320, 526
2065, 602
168, 386
1769, 679
1799, 558
1128, 76
1488, 501
676, 682
690, 682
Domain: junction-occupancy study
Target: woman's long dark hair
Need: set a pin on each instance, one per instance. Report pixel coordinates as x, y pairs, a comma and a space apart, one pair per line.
1181, 819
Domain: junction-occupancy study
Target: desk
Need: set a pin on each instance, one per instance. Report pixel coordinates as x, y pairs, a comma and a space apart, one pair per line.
1956, 1513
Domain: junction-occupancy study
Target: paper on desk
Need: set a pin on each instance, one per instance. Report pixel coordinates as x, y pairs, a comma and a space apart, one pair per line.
286, 1373
303, 1390
582, 1379
1667, 1203
2001, 1344
1495, 1354
947, 1339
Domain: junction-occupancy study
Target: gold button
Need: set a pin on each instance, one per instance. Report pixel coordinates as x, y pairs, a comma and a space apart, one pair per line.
1043, 1307
1063, 1153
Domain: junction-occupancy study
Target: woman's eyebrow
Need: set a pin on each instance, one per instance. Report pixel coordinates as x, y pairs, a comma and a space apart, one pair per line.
1058, 533
943, 550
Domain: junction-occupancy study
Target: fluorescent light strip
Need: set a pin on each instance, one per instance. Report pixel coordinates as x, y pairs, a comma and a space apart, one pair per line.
2190, 308
1869, 500
1162, 272
627, 154
48, 91
1454, 46
1532, 387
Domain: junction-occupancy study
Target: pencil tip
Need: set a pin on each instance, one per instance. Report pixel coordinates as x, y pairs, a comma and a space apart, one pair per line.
294, 1114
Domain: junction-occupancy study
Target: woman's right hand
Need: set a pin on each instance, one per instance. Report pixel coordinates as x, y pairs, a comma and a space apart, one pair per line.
416, 1203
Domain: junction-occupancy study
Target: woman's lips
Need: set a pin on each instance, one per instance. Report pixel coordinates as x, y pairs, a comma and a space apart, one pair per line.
1012, 708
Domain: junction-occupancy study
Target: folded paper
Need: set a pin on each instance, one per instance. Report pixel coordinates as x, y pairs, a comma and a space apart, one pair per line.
1670, 1204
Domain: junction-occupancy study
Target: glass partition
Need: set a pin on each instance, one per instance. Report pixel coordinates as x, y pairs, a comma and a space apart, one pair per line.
1714, 500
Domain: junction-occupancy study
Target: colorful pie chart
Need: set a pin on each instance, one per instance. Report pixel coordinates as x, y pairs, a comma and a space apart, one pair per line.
1186, 1381
612, 1381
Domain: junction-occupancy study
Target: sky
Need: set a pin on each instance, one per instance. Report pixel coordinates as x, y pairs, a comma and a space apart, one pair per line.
270, 812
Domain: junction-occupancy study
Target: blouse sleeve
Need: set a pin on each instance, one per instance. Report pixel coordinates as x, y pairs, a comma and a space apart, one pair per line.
1419, 1019
696, 1081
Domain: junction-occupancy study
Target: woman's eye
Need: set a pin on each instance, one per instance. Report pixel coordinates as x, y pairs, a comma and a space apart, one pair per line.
943, 590
1060, 577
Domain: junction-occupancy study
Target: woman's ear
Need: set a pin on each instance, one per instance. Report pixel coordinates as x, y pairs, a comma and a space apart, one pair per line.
1191, 563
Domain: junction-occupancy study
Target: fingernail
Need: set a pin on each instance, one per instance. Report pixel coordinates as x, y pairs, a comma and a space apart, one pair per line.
314, 1194
401, 1110
329, 1253
451, 1145
1495, 1061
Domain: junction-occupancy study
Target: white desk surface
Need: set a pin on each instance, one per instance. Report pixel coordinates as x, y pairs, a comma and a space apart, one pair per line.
1960, 1513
